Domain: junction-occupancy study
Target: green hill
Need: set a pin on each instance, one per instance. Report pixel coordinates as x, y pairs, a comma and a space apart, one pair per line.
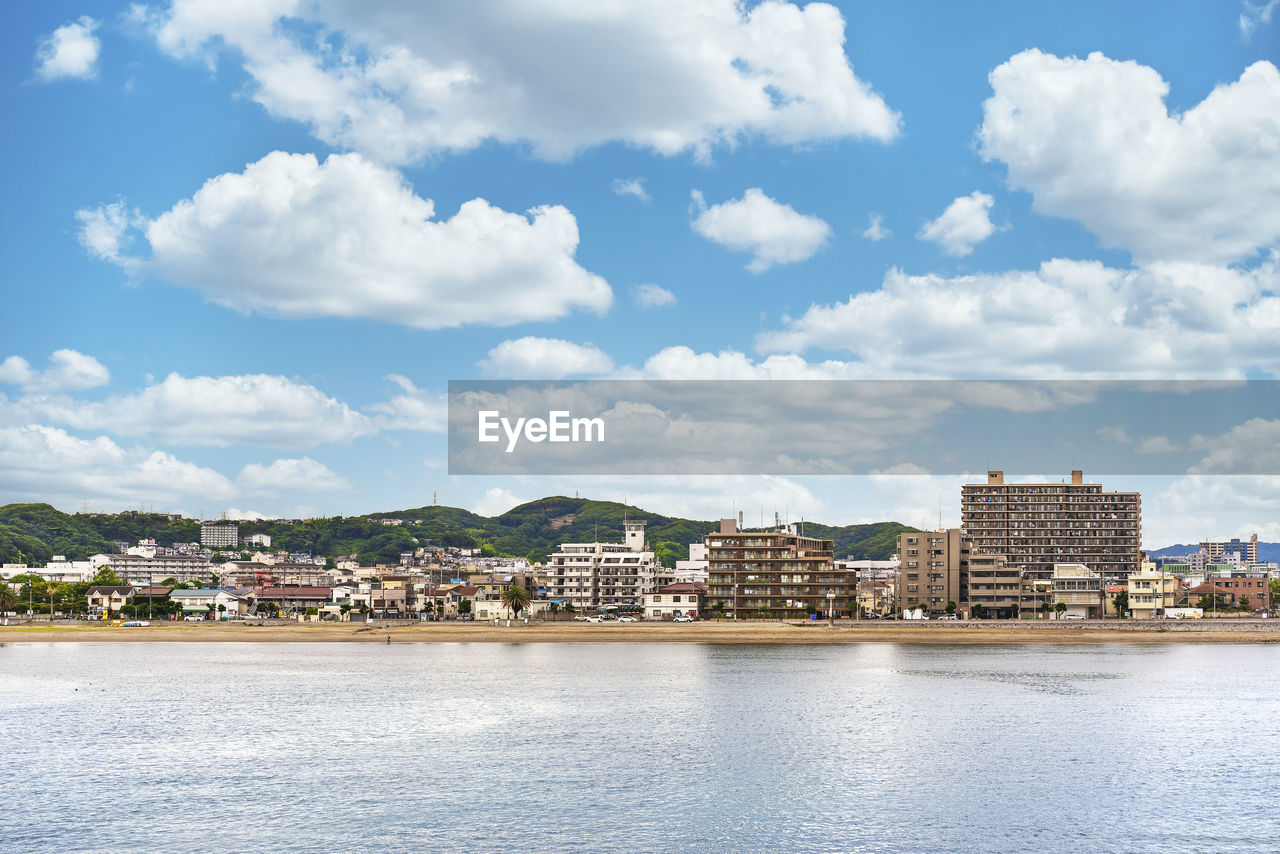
32, 532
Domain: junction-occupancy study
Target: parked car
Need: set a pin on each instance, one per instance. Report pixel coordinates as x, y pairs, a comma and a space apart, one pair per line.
467, 618
683, 618
1073, 616
580, 618
627, 618
595, 618
193, 618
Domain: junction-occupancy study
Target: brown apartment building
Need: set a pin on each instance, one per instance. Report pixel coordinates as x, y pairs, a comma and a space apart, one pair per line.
938, 567
776, 574
1035, 525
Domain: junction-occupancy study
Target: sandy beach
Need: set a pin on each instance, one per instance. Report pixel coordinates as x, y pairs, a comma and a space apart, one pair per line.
1221, 631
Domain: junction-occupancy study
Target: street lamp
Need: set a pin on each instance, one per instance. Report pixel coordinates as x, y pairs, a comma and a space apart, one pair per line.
831, 604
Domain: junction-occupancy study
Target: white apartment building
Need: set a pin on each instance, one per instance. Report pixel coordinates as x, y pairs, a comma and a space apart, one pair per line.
259, 540
146, 571
219, 534
593, 575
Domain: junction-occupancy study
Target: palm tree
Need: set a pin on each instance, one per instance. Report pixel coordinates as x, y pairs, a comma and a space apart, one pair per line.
516, 598
8, 599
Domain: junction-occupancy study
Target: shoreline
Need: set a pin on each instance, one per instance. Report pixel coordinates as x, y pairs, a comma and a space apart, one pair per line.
1215, 631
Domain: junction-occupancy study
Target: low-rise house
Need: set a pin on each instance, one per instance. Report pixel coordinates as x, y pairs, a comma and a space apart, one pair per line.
109, 599
296, 599
1079, 588
674, 600
237, 602
1152, 592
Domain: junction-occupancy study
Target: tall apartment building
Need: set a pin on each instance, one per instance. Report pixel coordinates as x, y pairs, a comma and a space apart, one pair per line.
1246, 549
778, 574
219, 534
929, 570
595, 575
1037, 525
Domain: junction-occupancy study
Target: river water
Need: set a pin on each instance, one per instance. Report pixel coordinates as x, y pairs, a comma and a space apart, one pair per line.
638, 747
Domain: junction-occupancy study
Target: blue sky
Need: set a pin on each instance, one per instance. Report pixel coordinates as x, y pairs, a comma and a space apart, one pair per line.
229, 348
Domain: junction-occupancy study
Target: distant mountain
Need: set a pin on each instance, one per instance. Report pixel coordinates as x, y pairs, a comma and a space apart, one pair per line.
31, 533
1267, 552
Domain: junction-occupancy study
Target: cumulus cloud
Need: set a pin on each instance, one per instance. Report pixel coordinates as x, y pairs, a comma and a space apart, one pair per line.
1068, 319
295, 237
69, 51
774, 233
293, 475
253, 409
544, 358
400, 83
1092, 140
69, 370
652, 296
633, 187
496, 501
963, 225
1249, 447
412, 409
684, 363
876, 231
40, 462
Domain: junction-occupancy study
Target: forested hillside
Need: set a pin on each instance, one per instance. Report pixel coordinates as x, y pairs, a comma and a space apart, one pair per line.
31, 533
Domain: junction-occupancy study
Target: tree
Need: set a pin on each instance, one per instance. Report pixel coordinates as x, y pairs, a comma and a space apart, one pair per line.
1244, 603
1060, 607
978, 612
8, 598
951, 607
516, 598
1275, 591
344, 608
222, 609
439, 607
719, 609
1013, 609
106, 577
555, 609
464, 607
1121, 601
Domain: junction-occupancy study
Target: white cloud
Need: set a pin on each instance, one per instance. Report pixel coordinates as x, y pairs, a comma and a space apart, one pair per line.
39, 462
293, 475
254, 409
413, 409
247, 515
683, 363
773, 232
1074, 319
876, 231
69, 51
1093, 141
631, 187
69, 370
347, 238
105, 232
1249, 447
400, 83
1200, 507
496, 501
544, 358
653, 296
1256, 15
963, 225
